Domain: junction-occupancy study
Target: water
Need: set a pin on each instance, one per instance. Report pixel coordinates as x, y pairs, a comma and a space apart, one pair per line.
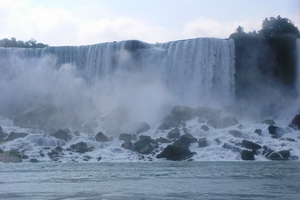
160, 180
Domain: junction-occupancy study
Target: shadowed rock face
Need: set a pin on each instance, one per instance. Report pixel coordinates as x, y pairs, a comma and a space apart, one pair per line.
175, 153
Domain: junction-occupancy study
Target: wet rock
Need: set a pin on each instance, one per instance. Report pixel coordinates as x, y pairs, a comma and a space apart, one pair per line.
142, 127
258, 131
15, 135
81, 147
218, 141
185, 140
144, 145
174, 134
201, 120
126, 137
202, 142
275, 131
2, 135
33, 160
247, 155
223, 122
183, 113
236, 133
296, 122
12, 156
163, 140
280, 155
175, 153
204, 127
127, 145
250, 145
232, 147
63, 135
100, 137
54, 154
208, 112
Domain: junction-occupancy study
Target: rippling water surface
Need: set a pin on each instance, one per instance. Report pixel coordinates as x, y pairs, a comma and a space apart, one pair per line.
146, 180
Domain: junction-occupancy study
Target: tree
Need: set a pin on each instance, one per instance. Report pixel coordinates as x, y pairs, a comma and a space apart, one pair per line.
274, 27
21, 44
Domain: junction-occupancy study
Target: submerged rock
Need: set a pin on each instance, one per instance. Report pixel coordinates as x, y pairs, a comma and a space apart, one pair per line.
100, 137
175, 153
223, 122
247, 155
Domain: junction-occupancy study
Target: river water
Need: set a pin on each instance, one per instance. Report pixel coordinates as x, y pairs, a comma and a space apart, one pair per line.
151, 180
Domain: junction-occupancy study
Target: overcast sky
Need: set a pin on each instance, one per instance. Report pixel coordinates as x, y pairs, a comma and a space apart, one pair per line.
81, 22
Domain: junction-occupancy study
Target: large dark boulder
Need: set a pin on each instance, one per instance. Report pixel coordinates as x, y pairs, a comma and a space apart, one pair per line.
222, 122
207, 112
63, 135
183, 113
275, 131
296, 122
81, 147
100, 137
145, 145
280, 155
247, 155
127, 145
175, 153
185, 140
15, 135
250, 145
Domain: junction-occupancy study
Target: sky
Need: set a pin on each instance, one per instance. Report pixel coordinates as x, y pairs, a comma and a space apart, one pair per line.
83, 22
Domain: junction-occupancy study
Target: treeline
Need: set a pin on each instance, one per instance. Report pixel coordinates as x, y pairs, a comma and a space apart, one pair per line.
266, 59
21, 44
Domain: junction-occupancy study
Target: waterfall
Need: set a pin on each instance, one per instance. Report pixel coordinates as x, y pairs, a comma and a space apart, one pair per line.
298, 67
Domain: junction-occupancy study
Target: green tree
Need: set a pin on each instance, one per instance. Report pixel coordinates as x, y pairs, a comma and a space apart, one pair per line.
21, 44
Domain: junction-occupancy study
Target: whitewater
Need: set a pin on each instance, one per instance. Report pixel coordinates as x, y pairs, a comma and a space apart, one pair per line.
115, 87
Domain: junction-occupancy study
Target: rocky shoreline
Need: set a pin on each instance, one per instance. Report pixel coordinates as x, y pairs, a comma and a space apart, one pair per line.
171, 140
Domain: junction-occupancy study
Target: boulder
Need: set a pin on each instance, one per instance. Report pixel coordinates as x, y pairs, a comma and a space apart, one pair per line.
183, 113
232, 147
175, 153
163, 140
236, 133
247, 155
63, 135
100, 137
280, 155
81, 147
204, 127
126, 137
174, 134
2, 135
223, 122
144, 145
15, 135
296, 122
268, 122
33, 160
202, 142
275, 131
142, 127
258, 131
12, 156
250, 145
127, 145
185, 140
208, 112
